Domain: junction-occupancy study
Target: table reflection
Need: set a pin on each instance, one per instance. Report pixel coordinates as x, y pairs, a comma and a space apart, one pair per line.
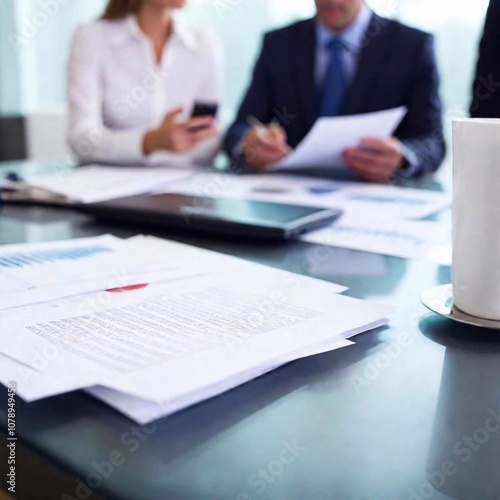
464, 456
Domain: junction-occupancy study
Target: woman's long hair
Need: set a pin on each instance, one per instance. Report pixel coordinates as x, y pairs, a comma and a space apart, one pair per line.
117, 9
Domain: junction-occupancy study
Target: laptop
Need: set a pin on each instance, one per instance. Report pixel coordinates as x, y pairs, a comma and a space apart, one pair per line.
222, 216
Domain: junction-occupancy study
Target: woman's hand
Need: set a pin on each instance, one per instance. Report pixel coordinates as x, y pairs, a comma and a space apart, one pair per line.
179, 136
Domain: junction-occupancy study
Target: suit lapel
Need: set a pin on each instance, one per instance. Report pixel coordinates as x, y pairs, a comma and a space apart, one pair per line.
370, 62
305, 65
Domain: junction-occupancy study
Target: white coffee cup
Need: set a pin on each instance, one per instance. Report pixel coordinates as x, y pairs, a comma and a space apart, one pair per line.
476, 217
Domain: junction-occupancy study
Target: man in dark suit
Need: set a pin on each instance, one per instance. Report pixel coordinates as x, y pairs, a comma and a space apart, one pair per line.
345, 61
486, 87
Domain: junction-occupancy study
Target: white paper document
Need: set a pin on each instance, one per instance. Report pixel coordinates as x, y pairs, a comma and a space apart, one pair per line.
206, 262
376, 200
329, 137
181, 338
256, 339
144, 411
39, 272
32, 273
96, 183
422, 240
351, 197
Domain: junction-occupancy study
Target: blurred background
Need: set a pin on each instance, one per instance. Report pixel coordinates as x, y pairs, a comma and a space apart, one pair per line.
35, 38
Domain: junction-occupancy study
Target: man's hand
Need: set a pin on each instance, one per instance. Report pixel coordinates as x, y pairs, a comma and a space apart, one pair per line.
375, 160
264, 146
179, 136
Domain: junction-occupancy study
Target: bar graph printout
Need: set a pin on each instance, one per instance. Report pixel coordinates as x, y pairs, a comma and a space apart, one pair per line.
421, 240
38, 273
25, 259
46, 271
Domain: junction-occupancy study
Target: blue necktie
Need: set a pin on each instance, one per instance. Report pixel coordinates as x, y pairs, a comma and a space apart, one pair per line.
335, 84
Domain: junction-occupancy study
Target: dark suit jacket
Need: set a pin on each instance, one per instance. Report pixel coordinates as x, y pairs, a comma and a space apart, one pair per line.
485, 102
396, 68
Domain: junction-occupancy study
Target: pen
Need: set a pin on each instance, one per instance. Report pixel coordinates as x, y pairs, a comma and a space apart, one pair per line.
262, 130
259, 127
11, 181
13, 177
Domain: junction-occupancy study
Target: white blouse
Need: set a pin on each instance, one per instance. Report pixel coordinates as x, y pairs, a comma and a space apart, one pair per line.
117, 91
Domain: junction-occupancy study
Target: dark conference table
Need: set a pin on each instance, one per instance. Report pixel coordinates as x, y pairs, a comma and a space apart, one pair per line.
412, 411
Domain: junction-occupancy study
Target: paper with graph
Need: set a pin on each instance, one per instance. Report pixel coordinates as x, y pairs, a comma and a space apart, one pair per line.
36, 273
40, 272
420, 240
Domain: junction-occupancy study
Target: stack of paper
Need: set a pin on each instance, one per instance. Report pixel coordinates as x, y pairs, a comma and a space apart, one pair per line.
91, 184
151, 350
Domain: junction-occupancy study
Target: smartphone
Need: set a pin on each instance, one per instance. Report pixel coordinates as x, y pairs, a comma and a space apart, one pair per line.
204, 109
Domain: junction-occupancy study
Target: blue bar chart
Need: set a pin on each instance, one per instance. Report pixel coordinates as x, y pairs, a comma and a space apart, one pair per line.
24, 259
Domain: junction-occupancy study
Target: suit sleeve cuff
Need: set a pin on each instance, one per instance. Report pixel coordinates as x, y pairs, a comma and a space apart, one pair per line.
237, 151
412, 163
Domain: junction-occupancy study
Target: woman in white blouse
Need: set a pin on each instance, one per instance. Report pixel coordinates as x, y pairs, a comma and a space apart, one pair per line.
134, 77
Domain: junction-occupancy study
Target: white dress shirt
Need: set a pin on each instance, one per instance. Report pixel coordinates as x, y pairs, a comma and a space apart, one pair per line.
117, 91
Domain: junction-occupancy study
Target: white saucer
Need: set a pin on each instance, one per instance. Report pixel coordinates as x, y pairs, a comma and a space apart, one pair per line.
440, 300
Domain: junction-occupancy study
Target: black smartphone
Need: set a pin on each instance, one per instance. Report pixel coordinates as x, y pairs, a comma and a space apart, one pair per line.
204, 109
